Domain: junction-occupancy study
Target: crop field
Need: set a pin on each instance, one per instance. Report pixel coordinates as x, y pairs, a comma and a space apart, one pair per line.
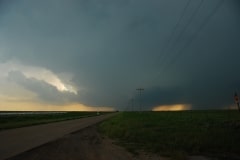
209, 133
10, 120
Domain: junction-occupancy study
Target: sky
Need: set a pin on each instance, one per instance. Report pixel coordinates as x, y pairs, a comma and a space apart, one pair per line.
93, 55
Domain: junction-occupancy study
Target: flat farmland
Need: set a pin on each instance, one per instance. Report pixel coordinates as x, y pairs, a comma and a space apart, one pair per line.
177, 134
10, 120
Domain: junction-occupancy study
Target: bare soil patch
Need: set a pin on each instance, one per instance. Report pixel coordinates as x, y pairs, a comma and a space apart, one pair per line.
87, 144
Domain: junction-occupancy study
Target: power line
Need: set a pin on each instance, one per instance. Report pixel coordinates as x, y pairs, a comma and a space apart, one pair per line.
196, 33
140, 90
181, 34
163, 51
191, 39
166, 50
132, 104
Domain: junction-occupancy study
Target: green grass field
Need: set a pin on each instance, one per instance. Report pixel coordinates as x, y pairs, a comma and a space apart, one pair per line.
209, 133
22, 120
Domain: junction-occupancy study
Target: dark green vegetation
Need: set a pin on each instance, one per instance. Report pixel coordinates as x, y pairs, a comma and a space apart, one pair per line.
8, 121
210, 133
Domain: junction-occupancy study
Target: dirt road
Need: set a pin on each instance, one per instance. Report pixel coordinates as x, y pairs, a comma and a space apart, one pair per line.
88, 144
16, 141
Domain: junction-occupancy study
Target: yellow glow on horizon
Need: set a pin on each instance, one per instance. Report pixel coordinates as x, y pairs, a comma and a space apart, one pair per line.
81, 107
231, 107
174, 107
31, 106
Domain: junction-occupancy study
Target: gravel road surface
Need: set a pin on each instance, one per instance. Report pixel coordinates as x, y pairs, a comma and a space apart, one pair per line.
16, 141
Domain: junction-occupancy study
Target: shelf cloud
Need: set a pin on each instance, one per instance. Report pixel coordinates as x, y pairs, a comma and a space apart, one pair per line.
97, 53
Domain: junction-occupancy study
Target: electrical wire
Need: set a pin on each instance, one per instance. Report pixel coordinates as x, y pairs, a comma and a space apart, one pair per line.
194, 14
181, 35
163, 51
196, 34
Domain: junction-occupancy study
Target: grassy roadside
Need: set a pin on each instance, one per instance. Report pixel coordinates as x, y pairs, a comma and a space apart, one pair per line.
211, 133
22, 120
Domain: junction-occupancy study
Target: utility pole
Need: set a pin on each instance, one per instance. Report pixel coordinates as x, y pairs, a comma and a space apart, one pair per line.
132, 104
237, 100
140, 90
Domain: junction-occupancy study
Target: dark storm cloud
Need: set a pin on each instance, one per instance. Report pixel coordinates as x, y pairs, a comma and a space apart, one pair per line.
113, 47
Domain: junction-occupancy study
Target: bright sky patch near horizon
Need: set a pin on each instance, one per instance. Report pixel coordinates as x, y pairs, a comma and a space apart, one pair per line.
93, 55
